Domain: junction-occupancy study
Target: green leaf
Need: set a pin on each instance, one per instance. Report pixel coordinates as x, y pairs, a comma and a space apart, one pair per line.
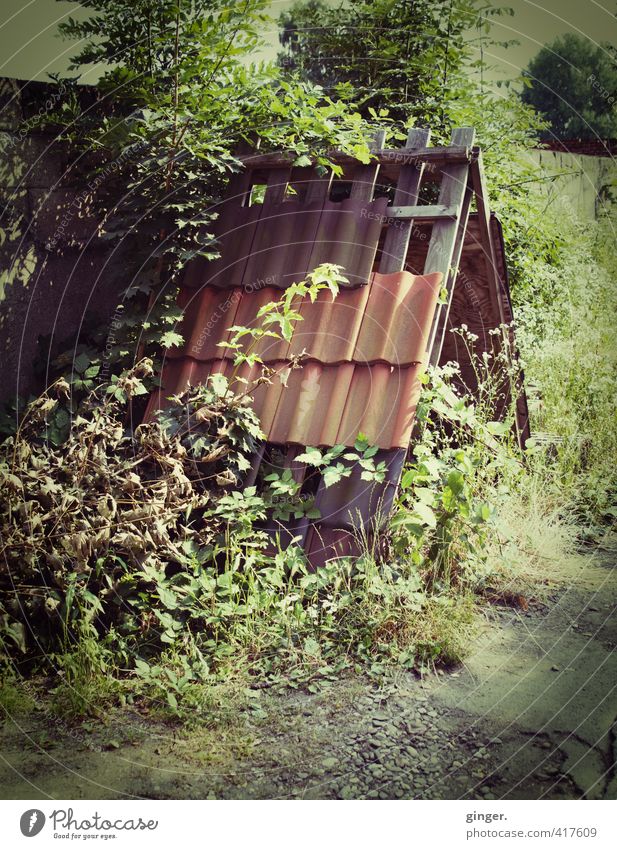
456, 482
81, 363
426, 513
498, 428
171, 339
312, 457
219, 384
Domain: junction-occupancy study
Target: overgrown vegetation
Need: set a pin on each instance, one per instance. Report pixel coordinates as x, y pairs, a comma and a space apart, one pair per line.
178, 101
574, 86
128, 549
137, 566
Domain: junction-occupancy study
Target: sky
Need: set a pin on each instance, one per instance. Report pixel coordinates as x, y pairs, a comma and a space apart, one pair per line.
30, 48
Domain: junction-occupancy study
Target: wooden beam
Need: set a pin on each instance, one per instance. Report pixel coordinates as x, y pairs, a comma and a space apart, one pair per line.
440, 325
448, 154
447, 237
318, 188
486, 237
276, 186
365, 176
405, 197
425, 212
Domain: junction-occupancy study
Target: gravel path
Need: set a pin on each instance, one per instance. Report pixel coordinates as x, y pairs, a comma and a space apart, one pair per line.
532, 714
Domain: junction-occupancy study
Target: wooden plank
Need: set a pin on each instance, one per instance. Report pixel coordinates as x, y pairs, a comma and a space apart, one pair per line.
425, 212
405, 197
238, 189
365, 176
454, 192
318, 188
276, 186
441, 155
440, 326
484, 220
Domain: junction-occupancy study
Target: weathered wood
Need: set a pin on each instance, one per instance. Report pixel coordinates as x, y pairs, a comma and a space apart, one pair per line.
276, 186
440, 326
405, 197
447, 236
238, 190
425, 212
484, 220
365, 176
318, 188
443, 155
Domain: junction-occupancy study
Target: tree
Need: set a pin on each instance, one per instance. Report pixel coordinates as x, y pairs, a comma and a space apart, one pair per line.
422, 63
412, 58
574, 86
177, 97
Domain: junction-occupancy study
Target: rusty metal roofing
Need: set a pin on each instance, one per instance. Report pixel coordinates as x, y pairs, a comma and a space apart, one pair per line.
364, 353
278, 244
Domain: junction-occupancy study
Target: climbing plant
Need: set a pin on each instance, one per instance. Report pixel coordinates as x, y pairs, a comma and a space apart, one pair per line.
178, 98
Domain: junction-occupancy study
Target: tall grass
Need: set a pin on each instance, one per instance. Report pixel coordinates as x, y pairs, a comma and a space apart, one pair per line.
571, 365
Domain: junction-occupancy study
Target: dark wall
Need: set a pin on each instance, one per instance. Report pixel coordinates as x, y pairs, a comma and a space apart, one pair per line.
55, 269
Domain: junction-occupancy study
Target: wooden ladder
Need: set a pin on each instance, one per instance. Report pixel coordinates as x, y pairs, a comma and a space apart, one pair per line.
449, 215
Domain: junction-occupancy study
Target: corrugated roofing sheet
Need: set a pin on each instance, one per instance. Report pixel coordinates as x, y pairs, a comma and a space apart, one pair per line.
275, 244
365, 351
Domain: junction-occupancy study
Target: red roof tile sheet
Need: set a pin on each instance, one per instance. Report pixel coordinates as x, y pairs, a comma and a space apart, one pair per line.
365, 351
278, 244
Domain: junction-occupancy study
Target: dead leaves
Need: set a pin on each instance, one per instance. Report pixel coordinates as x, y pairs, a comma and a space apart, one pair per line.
107, 496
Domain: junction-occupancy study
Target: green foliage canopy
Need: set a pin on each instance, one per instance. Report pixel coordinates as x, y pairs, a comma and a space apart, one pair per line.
178, 100
413, 58
573, 84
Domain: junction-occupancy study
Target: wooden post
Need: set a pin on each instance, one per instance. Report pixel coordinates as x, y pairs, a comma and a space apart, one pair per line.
447, 237
407, 190
276, 186
484, 220
365, 176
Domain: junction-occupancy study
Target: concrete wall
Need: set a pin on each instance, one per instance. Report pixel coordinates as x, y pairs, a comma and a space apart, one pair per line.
54, 268
584, 181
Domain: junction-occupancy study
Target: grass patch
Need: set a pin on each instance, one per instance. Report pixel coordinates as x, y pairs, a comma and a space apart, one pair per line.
445, 630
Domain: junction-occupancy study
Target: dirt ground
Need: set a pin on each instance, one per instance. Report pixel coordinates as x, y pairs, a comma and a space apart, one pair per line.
532, 714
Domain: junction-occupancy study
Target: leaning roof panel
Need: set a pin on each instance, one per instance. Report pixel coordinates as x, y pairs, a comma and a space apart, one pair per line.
364, 352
